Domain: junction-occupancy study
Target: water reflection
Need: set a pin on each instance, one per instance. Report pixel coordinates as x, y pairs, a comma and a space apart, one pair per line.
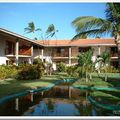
54, 107
55, 102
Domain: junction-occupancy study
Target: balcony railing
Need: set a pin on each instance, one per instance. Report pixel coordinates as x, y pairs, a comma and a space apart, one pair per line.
60, 55
114, 54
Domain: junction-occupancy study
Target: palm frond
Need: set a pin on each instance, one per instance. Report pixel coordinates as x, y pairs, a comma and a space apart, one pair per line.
113, 12
38, 29
50, 29
88, 22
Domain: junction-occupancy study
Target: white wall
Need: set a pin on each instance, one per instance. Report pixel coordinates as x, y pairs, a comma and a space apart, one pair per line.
36, 53
2, 52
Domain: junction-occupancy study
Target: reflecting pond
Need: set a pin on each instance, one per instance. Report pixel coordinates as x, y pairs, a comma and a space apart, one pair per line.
58, 101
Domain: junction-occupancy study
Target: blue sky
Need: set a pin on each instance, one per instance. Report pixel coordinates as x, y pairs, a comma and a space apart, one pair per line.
16, 16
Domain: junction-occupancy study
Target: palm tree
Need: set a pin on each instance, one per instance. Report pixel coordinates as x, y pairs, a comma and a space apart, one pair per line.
51, 31
89, 25
31, 28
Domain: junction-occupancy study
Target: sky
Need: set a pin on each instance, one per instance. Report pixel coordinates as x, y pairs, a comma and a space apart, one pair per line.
16, 16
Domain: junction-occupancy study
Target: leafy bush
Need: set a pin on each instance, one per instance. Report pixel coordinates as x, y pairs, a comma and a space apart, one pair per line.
7, 71
30, 72
71, 71
40, 65
61, 67
109, 69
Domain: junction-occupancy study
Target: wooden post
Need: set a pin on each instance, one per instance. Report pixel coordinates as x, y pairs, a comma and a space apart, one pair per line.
86, 94
70, 91
105, 77
90, 77
17, 104
42, 93
31, 95
86, 77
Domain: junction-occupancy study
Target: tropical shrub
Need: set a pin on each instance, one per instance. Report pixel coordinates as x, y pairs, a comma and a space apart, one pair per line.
71, 70
40, 65
61, 67
30, 72
85, 58
109, 69
7, 71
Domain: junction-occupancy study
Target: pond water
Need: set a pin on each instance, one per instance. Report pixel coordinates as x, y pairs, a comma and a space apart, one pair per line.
55, 102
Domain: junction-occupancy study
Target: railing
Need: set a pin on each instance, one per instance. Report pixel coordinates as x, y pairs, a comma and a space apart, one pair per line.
60, 55
114, 54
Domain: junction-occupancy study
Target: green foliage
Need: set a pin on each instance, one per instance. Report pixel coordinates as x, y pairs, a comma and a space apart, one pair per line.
71, 70
7, 71
51, 31
109, 69
30, 72
106, 57
31, 28
85, 59
93, 26
61, 67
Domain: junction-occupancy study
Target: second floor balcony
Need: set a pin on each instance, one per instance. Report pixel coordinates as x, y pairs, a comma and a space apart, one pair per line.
60, 52
11, 51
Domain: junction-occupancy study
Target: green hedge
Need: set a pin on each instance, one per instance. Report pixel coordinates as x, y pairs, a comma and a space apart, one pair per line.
7, 71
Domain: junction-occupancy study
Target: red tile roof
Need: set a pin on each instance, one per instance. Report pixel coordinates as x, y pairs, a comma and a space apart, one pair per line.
80, 42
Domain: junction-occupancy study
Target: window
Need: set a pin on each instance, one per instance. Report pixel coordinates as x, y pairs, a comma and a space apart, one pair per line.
84, 49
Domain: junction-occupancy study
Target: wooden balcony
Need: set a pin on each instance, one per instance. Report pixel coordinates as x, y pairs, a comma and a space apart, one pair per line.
59, 55
60, 52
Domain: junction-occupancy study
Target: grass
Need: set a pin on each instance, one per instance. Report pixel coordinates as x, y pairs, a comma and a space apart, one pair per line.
94, 81
109, 75
113, 80
12, 86
106, 96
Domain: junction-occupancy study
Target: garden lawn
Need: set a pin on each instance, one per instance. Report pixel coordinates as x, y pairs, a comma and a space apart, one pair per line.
95, 82
12, 86
113, 80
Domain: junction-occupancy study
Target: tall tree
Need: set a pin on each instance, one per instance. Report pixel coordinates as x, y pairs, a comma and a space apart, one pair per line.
31, 28
89, 25
51, 31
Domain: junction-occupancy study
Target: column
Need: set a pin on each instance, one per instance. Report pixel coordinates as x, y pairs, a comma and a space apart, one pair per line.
17, 104
31, 54
99, 50
69, 55
42, 53
17, 52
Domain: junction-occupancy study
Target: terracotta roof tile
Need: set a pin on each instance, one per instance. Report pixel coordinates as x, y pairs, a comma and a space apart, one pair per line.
80, 42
